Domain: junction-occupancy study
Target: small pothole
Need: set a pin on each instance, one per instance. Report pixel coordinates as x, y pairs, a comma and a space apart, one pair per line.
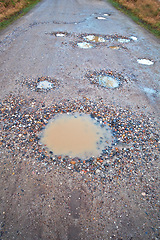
41, 84
145, 61
101, 18
106, 79
115, 47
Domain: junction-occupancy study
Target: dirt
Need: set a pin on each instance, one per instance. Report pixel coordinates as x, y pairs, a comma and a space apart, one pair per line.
47, 196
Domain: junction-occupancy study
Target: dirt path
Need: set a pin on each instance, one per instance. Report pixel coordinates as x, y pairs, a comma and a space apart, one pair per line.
113, 196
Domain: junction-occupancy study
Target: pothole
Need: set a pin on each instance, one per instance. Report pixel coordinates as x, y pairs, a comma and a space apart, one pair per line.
95, 38
91, 40
41, 84
114, 47
101, 18
45, 85
76, 136
60, 34
106, 79
145, 61
84, 45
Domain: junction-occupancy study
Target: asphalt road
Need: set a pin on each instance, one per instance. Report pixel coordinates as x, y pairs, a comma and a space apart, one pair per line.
44, 196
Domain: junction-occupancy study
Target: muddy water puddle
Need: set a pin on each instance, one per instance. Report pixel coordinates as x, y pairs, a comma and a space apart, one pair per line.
114, 47
76, 136
84, 45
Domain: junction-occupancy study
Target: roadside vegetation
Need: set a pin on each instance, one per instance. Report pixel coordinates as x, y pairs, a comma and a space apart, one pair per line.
10, 10
144, 12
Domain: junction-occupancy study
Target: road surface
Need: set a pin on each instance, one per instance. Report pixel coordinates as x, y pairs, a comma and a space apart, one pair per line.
113, 196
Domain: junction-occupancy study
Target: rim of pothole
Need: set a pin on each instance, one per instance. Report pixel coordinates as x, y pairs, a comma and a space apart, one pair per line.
96, 78
41, 84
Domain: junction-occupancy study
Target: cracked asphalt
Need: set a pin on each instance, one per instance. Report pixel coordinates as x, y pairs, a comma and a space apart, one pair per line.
113, 196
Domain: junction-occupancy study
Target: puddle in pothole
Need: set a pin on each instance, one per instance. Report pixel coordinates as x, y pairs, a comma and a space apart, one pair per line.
101, 18
94, 38
60, 34
84, 45
45, 85
145, 61
76, 136
133, 38
114, 47
108, 82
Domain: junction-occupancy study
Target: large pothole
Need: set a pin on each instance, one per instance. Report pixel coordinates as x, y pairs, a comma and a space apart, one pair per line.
76, 136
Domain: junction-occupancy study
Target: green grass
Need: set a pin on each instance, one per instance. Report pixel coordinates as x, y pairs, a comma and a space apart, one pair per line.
6, 22
154, 30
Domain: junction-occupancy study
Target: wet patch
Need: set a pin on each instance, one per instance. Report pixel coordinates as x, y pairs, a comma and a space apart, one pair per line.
74, 232
76, 136
75, 203
145, 61
41, 84
106, 79
123, 40
84, 45
135, 146
149, 90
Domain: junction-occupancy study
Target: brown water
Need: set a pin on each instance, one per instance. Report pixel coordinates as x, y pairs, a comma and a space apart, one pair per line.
95, 38
76, 136
114, 47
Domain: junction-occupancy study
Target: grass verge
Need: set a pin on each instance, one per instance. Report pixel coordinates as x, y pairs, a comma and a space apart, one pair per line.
133, 13
8, 19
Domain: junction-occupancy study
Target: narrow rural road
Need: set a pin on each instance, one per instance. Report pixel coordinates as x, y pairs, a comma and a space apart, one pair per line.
72, 45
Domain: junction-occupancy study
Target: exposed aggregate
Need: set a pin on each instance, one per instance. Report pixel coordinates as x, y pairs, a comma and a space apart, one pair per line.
32, 83
93, 77
136, 142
